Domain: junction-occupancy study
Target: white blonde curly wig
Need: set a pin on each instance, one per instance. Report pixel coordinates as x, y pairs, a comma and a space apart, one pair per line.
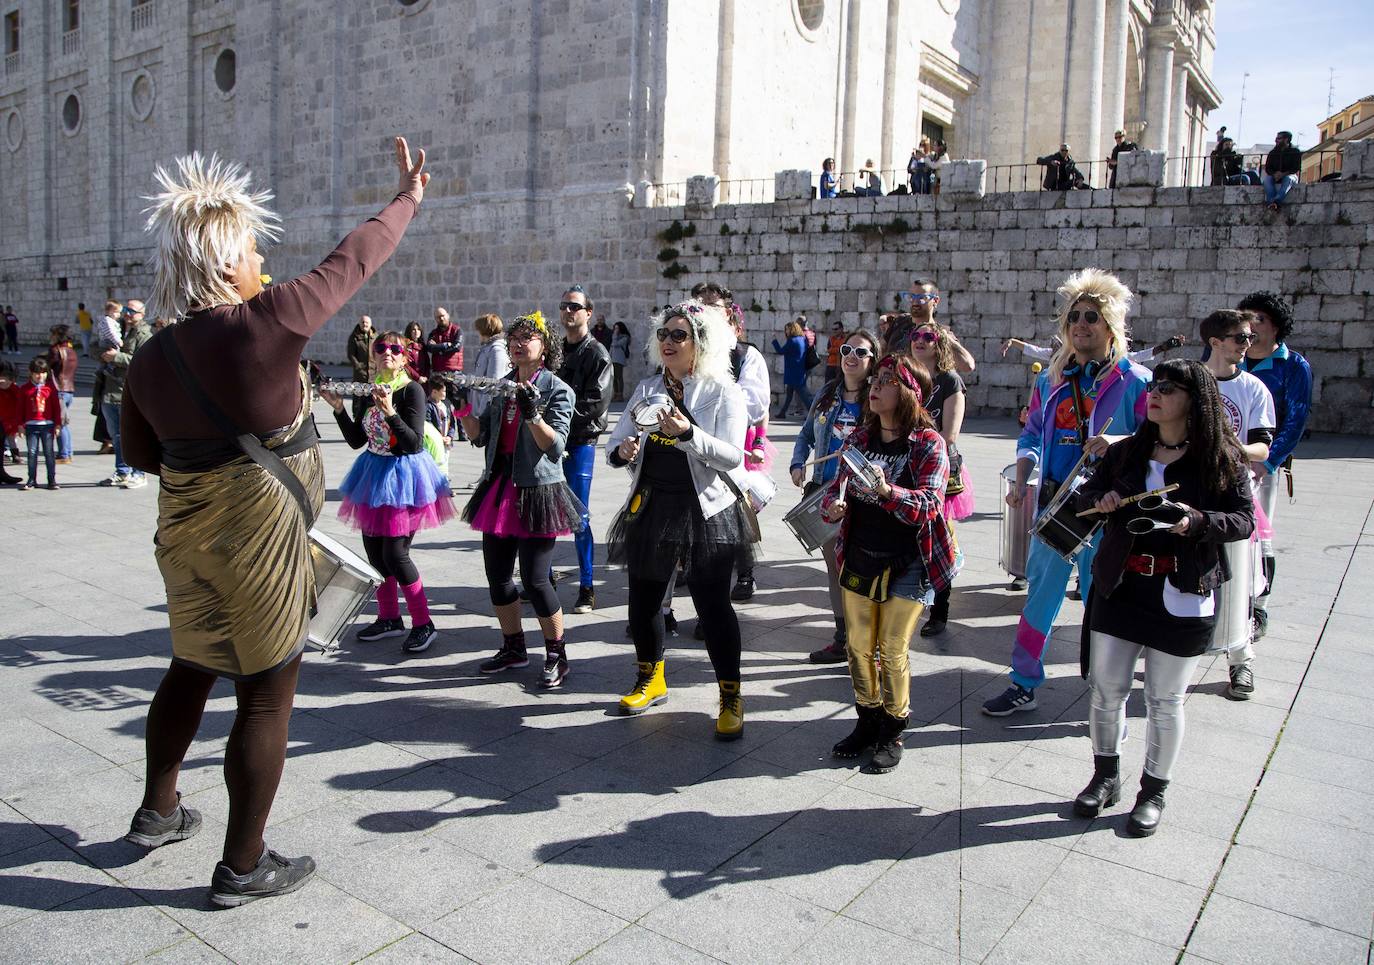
201, 223
1113, 301
712, 334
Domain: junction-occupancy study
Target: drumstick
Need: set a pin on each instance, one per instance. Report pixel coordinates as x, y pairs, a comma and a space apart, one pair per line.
817, 462
1131, 499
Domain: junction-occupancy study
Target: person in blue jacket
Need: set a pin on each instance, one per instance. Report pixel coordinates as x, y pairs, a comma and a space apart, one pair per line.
1289, 379
1090, 379
793, 368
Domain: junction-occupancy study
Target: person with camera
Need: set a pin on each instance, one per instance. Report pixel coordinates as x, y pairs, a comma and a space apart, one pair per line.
894, 550
522, 503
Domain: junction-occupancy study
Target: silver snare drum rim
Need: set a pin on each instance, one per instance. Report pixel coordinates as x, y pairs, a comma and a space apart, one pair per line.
649, 411
808, 525
344, 582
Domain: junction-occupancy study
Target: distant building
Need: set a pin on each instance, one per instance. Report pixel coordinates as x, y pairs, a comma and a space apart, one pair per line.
1349, 124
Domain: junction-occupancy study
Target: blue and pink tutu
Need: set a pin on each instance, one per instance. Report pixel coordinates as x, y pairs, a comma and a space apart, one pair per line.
395, 495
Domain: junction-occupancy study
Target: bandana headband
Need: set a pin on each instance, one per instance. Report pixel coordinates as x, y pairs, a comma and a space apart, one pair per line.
905, 375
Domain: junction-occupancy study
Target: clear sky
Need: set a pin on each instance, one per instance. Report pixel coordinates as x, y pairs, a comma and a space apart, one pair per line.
1288, 50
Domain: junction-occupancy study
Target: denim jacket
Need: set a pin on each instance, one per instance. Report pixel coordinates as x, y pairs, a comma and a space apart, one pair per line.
815, 434
531, 466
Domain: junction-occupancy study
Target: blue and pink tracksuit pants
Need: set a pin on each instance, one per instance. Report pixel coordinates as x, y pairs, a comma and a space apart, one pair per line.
1047, 576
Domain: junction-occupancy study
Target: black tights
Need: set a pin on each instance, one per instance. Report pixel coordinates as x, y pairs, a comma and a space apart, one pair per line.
390, 556
711, 597
253, 759
535, 553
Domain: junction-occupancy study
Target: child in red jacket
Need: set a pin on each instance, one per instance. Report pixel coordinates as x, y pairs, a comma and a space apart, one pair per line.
40, 409
9, 419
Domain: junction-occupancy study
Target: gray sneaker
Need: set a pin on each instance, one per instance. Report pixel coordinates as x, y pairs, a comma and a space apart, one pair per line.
117, 479
1015, 698
151, 830
273, 876
134, 481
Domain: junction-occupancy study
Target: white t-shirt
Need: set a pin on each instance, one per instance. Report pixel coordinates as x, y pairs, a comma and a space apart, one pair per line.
1248, 404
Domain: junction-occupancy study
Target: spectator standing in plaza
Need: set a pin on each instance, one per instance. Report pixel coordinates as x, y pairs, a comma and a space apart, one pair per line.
493, 360
117, 361
828, 180
231, 539
602, 332
1121, 147
793, 368
417, 359
444, 346
1061, 171
360, 360
586, 369
832, 352
108, 331
62, 366
10, 419
1288, 377
42, 415
83, 325
1281, 170
11, 330
439, 414
924, 300
620, 357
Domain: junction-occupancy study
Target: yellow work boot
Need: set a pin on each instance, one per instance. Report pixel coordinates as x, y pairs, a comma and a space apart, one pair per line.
649, 689
730, 723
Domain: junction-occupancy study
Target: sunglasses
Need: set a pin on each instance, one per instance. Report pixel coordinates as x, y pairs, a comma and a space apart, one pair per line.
571, 306
678, 335
526, 336
383, 348
883, 381
1164, 387
921, 298
859, 352
1090, 316
1241, 338
927, 337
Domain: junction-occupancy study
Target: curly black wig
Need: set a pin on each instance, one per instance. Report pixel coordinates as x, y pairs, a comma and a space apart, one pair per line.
1272, 305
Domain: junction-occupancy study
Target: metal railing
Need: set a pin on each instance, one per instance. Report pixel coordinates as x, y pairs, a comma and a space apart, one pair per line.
143, 15
71, 42
13, 63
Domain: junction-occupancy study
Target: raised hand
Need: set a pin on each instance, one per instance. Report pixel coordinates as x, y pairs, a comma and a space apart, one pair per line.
414, 177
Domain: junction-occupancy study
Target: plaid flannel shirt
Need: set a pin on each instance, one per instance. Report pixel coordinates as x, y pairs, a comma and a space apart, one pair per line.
921, 508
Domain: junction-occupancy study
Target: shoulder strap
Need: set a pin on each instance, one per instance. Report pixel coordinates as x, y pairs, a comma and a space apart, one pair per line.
250, 444
724, 476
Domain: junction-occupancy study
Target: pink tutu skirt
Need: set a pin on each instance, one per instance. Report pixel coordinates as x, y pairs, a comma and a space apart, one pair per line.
500, 508
395, 495
960, 506
1263, 528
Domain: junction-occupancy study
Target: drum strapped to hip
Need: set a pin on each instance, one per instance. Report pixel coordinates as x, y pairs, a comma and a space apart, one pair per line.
808, 525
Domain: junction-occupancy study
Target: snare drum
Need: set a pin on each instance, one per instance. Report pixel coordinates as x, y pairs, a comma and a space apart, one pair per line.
344, 582
649, 411
1061, 528
807, 524
1232, 598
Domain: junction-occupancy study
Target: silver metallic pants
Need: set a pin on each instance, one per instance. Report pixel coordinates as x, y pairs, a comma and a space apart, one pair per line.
1111, 673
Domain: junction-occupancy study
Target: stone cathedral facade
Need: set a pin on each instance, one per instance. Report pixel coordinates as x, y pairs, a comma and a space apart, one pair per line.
540, 118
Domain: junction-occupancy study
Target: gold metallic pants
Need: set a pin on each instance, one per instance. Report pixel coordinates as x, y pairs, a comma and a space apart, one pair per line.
883, 629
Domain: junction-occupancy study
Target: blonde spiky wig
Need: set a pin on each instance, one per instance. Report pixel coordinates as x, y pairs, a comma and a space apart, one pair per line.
712, 335
201, 223
1113, 301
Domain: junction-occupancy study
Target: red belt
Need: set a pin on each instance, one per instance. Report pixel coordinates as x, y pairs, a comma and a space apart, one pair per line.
1148, 565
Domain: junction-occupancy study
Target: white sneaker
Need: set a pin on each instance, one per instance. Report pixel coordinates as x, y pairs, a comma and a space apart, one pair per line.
115, 480
134, 482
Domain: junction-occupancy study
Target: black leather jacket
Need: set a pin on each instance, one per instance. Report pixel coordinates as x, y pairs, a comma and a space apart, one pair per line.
587, 370
1214, 519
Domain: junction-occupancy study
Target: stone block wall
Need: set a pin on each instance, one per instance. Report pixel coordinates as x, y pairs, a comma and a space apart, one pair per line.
998, 259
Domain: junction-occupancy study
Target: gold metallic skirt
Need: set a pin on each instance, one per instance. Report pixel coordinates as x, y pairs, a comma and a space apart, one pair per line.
232, 549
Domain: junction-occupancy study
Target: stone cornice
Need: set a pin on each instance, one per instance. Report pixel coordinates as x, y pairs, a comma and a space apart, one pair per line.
938, 67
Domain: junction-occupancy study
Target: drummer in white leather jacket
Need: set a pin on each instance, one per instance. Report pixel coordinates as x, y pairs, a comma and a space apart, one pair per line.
683, 507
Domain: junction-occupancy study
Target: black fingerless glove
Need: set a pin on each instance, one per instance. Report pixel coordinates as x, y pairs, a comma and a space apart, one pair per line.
526, 400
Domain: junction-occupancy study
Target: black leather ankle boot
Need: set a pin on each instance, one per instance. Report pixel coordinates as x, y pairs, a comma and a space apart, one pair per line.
1103, 790
863, 736
1149, 805
888, 754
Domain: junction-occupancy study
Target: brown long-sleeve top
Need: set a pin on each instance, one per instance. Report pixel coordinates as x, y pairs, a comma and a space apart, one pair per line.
246, 355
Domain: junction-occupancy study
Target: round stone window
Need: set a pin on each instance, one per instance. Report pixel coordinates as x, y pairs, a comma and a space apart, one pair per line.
14, 130
226, 71
71, 114
142, 94
810, 14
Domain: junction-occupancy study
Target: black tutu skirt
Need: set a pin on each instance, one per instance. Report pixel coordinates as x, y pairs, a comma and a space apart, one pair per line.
660, 530
501, 508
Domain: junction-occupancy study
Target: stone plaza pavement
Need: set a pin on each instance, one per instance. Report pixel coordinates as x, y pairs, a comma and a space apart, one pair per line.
456, 817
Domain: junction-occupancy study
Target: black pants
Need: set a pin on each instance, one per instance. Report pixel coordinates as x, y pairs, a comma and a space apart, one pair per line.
390, 556
711, 596
498, 557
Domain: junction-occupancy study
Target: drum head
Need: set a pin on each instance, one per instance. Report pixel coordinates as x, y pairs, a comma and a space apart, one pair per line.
649, 411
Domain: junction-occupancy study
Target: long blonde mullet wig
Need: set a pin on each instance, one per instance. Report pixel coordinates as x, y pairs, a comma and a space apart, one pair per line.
201, 223
1113, 301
